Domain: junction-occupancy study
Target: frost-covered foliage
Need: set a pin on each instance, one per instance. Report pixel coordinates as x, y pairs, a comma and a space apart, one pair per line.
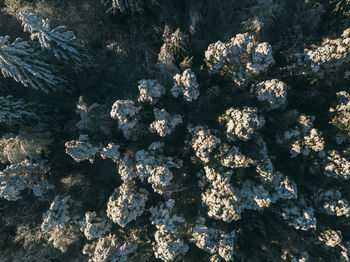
126, 113
330, 238
17, 148
262, 15
59, 40
190, 159
94, 226
312, 141
14, 110
289, 256
341, 112
300, 217
58, 214
169, 245
264, 166
164, 123
226, 202
111, 151
212, 240
241, 58
222, 199
127, 6
341, 7
254, 196
304, 138
337, 166
108, 248
127, 167
332, 203
126, 203
241, 123
203, 142
231, 157
150, 90
81, 149
20, 61
172, 51
59, 224
62, 237
273, 91
186, 85
157, 168
24, 175
284, 187
94, 117
324, 58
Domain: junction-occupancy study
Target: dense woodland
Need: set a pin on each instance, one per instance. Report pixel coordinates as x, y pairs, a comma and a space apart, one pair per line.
174, 130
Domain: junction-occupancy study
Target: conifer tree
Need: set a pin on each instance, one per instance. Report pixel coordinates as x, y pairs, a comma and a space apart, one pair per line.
20, 61
62, 42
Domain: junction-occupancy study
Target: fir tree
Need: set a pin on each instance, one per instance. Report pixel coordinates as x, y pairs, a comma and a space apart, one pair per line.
62, 42
20, 61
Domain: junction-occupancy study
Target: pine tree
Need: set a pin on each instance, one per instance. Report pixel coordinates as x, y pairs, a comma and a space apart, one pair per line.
14, 110
62, 42
20, 61
126, 6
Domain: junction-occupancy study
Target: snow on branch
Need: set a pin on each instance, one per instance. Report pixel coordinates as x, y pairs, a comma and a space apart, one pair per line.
21, 62
24, 175
14, 110
60, 41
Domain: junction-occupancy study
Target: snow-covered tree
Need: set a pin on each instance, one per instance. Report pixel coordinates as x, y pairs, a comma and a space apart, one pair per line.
212, 240
94, 226
242, 123
93, 118
164, 123
221, 198
60, 41
273, 91
24, 175
168, 245
203, 142
108, 248
304, 138
150, 90
126, 113
330, 238
14, 110
158, 169
20, 61
17, 148
126, 203
173, 50
58, 214
59, 224
186, 85
241, 58
81, 149
341, 112
324, 58
337, 166
111, 151
127, 6
283, 187
231, 157
302, 218
331, 203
